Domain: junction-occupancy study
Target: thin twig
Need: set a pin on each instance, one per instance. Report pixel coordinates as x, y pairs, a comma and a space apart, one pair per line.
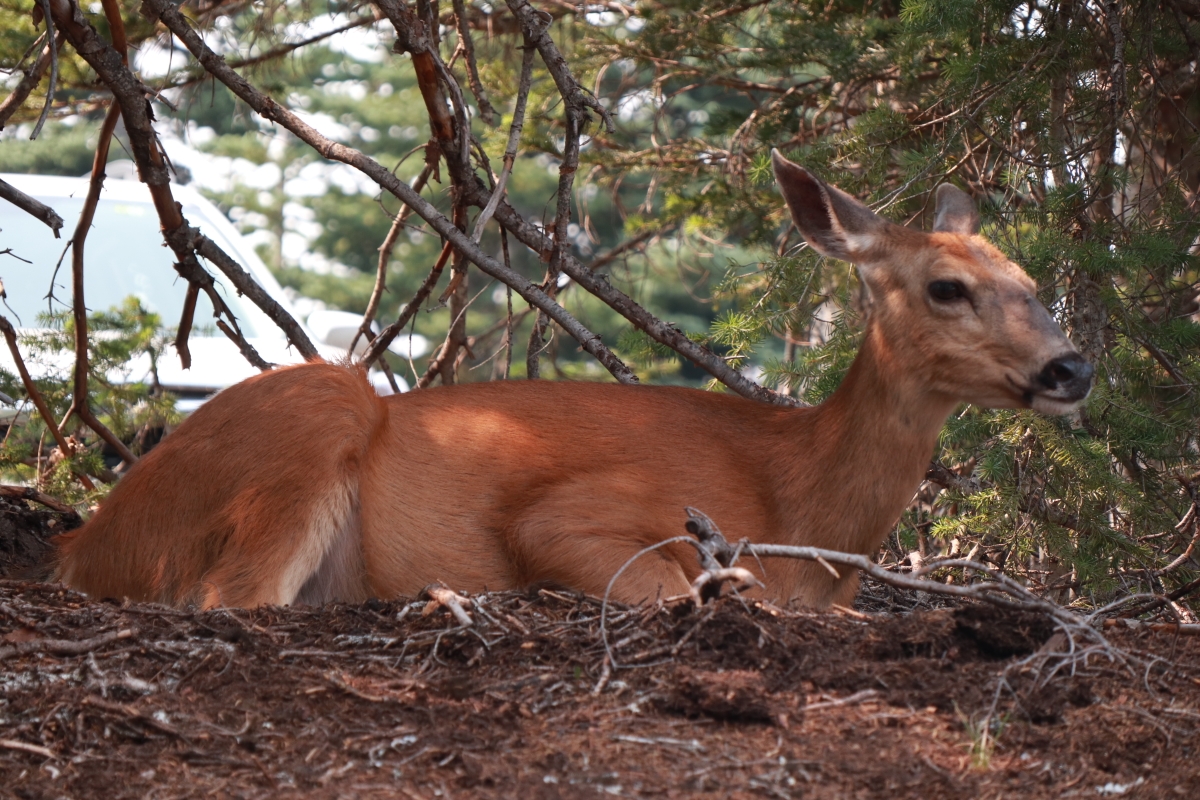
514, 141
185, 324
10, 335
468, 45
45, 4
33, 76
37, 750
64, 647
130, 93
385, 337
80, 400
385, 256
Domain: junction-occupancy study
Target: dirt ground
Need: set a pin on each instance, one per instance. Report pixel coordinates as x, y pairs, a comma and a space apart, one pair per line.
398, 699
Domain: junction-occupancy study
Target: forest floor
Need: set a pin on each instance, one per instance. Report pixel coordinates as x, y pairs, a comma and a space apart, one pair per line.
895, 699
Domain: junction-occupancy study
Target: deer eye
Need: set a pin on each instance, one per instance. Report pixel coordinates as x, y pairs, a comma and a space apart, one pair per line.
945, 291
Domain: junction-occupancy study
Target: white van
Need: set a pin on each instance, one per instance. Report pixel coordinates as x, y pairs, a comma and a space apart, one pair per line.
125, 255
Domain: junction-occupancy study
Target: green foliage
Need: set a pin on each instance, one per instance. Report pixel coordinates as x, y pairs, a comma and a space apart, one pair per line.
1008, 100
129, 408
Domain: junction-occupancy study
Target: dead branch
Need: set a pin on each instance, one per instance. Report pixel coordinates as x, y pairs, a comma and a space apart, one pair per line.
385, 337
185, 324
65, 647
447, 361
39, 402
30, 493
275, 52
441, 597
138, 116
246, 285
37, 750
662, 332
708, 583
999, 590
514, 141
32, 77
576, 103
1159, 602
535, 24
330, 149
942, 476
80, 400
468, 46
31, 206
44, 7
413, 36
385, 256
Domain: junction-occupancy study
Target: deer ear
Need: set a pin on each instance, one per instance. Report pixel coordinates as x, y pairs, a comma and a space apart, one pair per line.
956, 211
833, 222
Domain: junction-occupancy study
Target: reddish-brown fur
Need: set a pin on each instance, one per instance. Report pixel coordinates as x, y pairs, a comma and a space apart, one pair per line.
302, 485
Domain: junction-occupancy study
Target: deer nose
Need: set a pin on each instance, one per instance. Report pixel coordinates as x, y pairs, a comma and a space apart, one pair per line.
1070, 373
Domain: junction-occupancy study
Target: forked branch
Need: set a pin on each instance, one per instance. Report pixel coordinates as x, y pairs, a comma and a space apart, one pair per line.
330, 149
152, 169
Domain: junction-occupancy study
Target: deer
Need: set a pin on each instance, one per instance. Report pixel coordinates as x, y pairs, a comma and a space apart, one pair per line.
303, 486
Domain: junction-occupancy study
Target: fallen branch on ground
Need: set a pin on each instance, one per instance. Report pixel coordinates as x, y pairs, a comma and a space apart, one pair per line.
30, 493
13, 744
441, 597
64, 647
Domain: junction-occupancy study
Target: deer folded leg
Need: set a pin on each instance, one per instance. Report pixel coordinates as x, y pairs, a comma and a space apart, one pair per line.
587, 560
279, 554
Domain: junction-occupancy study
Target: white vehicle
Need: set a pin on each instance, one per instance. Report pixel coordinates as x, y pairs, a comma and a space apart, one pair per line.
125, 255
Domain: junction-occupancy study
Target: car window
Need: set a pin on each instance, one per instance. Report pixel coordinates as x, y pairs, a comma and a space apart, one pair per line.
124, 255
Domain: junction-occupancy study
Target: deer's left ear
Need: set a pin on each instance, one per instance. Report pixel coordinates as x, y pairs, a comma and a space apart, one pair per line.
956, 211
833, 222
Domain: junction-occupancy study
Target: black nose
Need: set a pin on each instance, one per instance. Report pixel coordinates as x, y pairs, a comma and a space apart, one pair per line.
1071, 372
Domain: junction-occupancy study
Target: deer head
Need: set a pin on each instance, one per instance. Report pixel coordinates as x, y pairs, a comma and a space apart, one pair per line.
948, 309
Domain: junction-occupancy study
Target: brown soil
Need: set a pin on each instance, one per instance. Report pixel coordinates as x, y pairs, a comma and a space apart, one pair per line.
735, 700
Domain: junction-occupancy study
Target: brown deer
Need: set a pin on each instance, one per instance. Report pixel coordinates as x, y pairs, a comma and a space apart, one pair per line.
302, 486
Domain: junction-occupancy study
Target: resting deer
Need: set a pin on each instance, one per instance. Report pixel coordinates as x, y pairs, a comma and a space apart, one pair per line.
301, 485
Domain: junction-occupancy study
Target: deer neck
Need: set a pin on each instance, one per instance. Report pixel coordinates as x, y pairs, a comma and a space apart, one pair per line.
867, 449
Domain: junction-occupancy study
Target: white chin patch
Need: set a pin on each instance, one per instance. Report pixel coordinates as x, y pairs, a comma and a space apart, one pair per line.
1048, 405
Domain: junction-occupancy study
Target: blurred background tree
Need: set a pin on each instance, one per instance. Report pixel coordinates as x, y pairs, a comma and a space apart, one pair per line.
1074, 125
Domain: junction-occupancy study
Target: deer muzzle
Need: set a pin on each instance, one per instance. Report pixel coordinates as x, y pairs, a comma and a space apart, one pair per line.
1065, 380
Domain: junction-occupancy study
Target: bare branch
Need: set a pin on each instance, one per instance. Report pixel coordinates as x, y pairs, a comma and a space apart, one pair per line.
152, 169
246, 285
185, 325
535, 24
31, 206
330, 149
939, 474
468, 45
64, 647
39, 402
662, 332
385, 337
80, 400
385, 256
30, 493
514, 141
50, 37
33, 76
276, 52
